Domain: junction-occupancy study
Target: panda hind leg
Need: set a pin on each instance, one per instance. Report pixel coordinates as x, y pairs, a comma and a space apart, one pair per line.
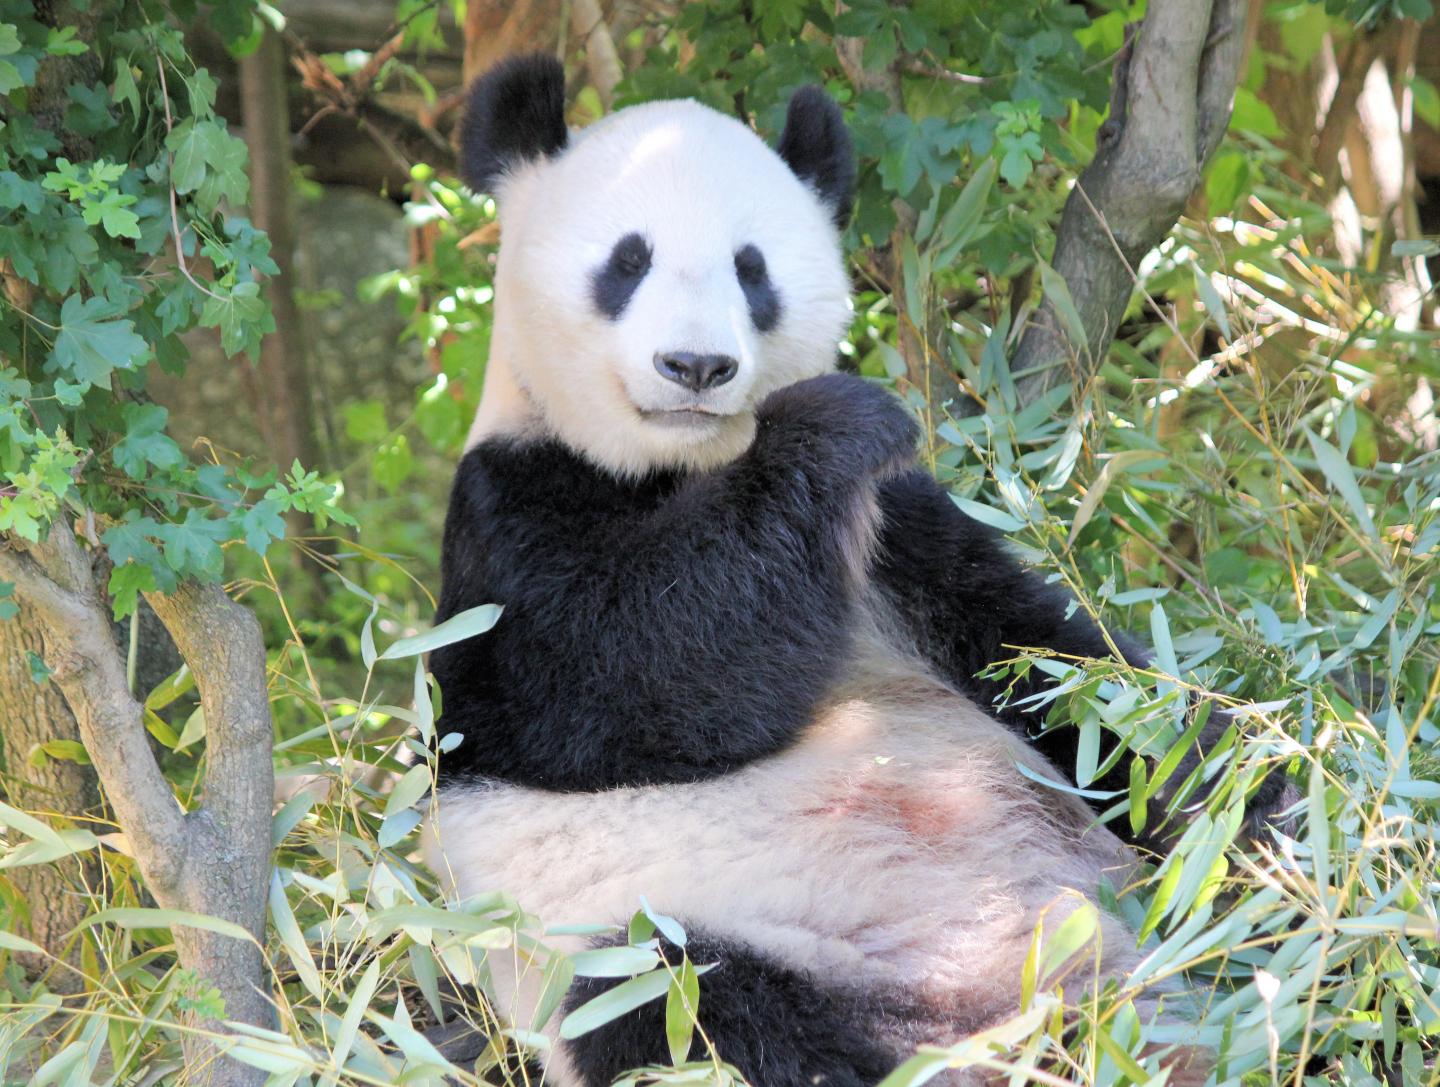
778, 1026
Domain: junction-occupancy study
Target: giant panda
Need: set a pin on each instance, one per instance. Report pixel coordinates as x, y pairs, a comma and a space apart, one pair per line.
736, 672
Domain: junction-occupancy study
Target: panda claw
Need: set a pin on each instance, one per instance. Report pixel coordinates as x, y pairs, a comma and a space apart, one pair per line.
866, 428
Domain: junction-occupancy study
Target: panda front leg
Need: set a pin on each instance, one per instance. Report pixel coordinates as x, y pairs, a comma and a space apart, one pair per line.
779, 1027
967, 602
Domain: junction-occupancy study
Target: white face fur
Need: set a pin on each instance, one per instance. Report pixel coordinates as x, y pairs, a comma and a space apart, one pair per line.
657, 278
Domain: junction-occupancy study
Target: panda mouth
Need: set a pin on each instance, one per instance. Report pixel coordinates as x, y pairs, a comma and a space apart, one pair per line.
680, 416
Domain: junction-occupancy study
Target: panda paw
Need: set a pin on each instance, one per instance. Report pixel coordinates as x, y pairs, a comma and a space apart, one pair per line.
839, 421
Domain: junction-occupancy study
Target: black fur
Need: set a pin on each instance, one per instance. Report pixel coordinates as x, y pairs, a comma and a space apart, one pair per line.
816, 145
615, 281
665, 630
965, 598
760, 293
778, 1026
515, 112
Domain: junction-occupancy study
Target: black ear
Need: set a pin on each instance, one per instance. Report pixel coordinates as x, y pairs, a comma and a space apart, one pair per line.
816, 145
515, 113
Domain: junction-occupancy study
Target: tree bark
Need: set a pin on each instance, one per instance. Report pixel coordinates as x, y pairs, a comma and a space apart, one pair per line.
36, 714
214, 859
494, 29
1170, 105
285, 408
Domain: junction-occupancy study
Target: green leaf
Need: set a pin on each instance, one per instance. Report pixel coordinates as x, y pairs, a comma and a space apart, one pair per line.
1252, 115
410, 788
1057, 293
1210, 299
145, 441
1226, 180
1068, 938
682, 1006
1138, 808
28, 825
987, 515
359, 1003
1087, 754
141, 917
127, 582
1160, 636
292, 939
93, 342
262, 524
963, 217
194, 730
457, 628
242, 317
614, 962
670, 928
120, 222
192, 144
10, 942
1342, 477
613, 1003
393, 464
62, 750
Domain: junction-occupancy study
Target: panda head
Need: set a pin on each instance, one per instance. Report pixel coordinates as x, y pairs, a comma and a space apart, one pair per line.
659, 273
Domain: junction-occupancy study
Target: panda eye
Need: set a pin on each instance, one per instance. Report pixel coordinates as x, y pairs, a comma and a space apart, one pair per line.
750, 265
631, 256
613, 283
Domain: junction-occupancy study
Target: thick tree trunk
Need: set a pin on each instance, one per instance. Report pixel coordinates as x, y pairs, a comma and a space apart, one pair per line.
35, 714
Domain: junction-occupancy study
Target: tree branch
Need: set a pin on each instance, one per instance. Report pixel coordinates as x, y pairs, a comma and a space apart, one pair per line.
54, 580
216, 859
1170, 106
602, 63
221, 641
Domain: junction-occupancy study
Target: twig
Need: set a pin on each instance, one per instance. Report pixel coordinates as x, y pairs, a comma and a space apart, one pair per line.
175, 230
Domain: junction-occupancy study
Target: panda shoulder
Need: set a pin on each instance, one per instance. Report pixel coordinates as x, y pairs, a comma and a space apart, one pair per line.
507, 475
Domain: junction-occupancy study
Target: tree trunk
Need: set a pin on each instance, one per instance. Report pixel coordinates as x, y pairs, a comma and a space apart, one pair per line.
213, 859
285, 408
36, 714
1170, 105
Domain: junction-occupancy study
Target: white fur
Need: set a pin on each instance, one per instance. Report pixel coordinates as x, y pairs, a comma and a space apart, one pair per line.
896, 847
699, 186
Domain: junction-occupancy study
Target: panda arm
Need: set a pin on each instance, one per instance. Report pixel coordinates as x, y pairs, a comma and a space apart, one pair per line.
669, 643
965, 598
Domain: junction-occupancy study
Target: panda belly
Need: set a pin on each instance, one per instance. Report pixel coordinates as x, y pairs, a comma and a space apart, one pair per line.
895, 847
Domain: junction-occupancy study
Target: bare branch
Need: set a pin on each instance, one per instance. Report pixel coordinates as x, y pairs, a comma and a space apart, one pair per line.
1170, 105
221, 641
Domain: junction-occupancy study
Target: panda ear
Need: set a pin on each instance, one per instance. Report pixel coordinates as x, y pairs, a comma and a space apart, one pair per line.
816, 146
515, 113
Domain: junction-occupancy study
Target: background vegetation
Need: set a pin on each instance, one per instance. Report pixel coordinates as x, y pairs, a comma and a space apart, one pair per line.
202, 386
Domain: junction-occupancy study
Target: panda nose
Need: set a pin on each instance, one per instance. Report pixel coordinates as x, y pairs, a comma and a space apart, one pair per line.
695, 371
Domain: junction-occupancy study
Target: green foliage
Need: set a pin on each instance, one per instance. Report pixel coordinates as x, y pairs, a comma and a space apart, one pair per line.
1242, 481
139, 165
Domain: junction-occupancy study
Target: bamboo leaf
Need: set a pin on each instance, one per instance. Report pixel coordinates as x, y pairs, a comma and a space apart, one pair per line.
682, 1005
143, 917
457, 628
1341, 476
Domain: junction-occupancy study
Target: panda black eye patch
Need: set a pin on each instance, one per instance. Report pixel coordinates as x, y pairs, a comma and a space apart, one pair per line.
760, 293
613, 283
